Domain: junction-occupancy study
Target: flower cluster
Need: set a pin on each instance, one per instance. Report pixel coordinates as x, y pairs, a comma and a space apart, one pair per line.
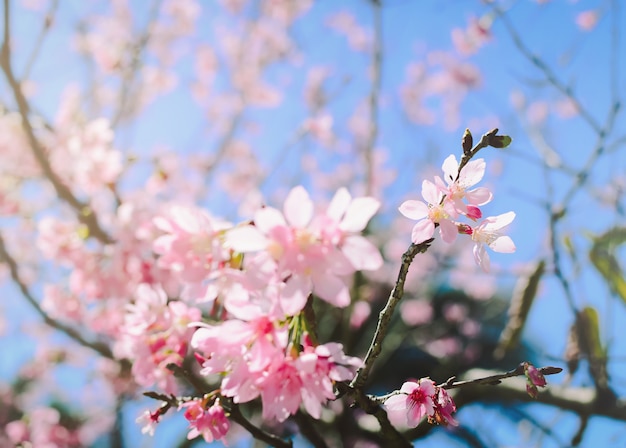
419, 399
448, 199
253, 281
256, 359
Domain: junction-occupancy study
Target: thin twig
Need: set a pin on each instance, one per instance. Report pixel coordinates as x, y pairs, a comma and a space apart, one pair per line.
129, 77
45, 28
98, 347
376, 71
541, 65
385, 315
83, 211
256, 432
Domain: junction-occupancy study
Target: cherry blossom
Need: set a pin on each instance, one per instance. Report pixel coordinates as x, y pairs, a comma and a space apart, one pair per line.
488, 233
430, 213
312, 253
444, 407
210, 423
534, 379
457, 184
415, 401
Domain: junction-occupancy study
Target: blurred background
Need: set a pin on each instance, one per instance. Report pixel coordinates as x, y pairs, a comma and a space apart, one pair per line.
111, 110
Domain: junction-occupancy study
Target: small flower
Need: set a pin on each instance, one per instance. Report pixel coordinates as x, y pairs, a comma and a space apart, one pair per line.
444, 407
211, 423
488, 233
149, 421
430, 213
534, 379
415, 400
458, 189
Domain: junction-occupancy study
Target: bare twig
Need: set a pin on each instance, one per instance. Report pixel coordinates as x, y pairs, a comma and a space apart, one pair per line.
385, 315
376, 71
83, 211
45, 28
545, 69
129, 76
99, 347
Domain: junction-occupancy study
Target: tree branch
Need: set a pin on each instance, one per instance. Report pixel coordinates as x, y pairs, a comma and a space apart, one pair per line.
83, 211
99, 347
385, 315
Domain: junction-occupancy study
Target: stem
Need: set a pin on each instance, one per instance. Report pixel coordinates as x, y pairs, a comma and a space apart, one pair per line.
98, 347
257, 433
83, 211
385, 315
376, 69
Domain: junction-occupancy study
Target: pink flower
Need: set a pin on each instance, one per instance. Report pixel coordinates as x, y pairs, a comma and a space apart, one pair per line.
469, 40
342, 224
444, 407
456, 190
534, 379
587, 20
430, 213
488, 233
312, 253
211, 423
415, 401
190, 244
149, 421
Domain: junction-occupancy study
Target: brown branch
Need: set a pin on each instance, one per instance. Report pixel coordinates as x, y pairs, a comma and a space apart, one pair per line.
497, 378
99, 347
45, 28
376, 70
583, 401
129, 76
308, 430
385, 315
83, 211
257, 433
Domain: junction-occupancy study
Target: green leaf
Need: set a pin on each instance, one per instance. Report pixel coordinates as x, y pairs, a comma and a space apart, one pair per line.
523, 297
500, 141
602, 255
588, 324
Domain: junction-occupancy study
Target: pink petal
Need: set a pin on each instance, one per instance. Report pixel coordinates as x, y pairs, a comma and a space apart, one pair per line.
332, 289
408, 387
503, 244
294, 295
246, 239
414, 209
339, 204
481, 257
450, 168
396, 403
430, 192
479, 196
472, 173
422, 231
359, 212
267, 218
448, 230
363, 255
494, 223
298, 207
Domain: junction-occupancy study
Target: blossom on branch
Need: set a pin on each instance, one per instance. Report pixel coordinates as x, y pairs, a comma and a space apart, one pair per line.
489, 233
